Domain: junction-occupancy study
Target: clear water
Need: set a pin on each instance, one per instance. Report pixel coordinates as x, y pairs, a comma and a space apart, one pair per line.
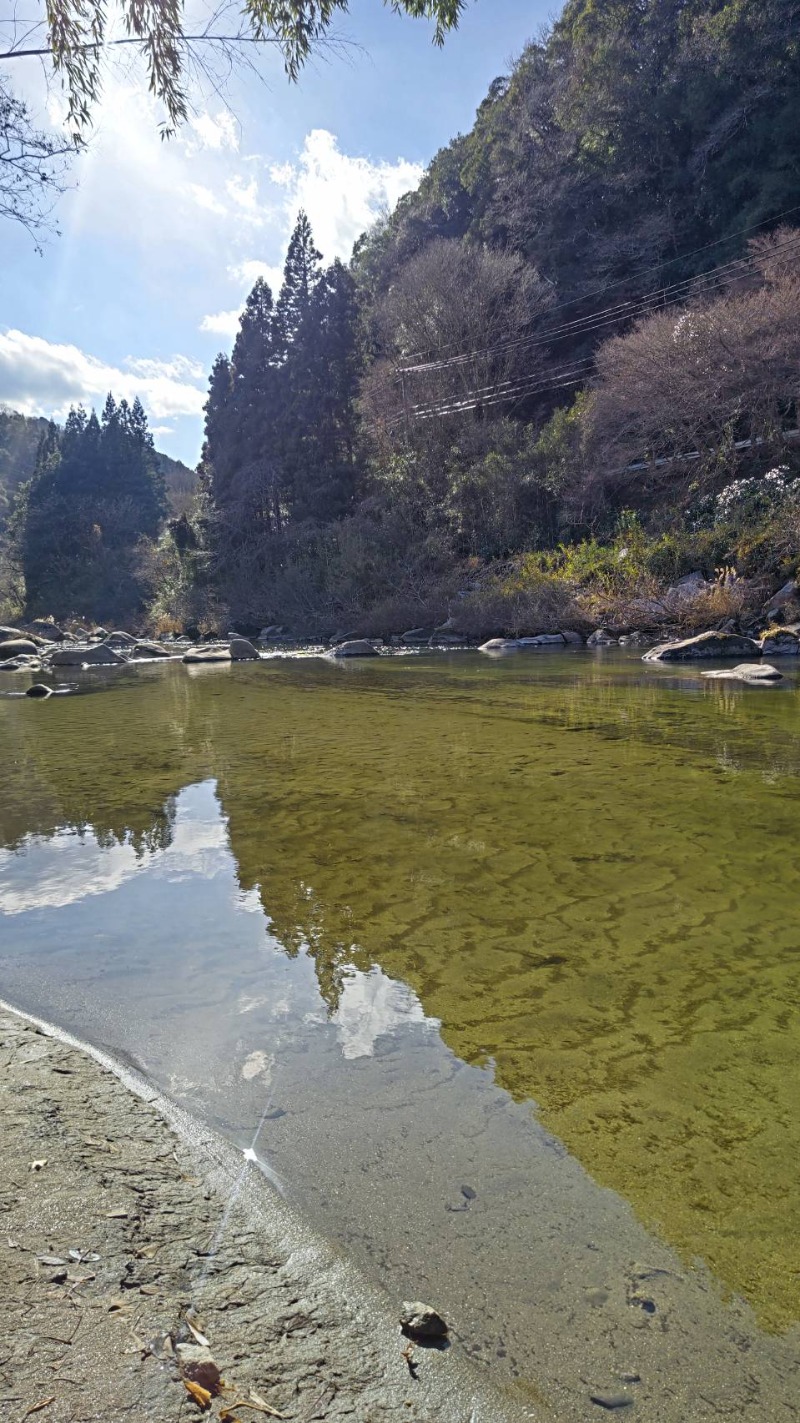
505, 955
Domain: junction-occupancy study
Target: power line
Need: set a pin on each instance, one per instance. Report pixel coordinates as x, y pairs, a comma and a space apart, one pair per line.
609, 315
659, 266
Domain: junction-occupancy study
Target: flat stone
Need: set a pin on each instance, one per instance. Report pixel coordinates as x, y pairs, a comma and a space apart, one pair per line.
747, 672
149, 649
704, 644
612, 1400
208, 654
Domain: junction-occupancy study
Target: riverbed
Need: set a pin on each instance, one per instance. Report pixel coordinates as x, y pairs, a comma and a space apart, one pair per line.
493, 964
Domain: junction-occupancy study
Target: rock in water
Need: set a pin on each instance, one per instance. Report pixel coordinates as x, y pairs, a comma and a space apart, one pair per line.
422, 1322
39, 690
16, 647
208, 654
780, 642
242, 650
359, 648
120, 639
98, 656
601, 638
149, 650
748, 672
705, 644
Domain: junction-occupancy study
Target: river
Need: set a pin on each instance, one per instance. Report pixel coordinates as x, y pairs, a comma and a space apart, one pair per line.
494, 962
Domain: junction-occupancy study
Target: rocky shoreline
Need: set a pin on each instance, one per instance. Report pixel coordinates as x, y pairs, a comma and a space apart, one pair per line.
142, 1254
31, 650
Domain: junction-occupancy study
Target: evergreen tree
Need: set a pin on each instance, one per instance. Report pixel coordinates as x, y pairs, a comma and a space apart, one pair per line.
96, 490
301, 273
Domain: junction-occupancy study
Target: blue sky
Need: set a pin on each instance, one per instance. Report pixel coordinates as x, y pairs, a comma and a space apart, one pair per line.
162, 241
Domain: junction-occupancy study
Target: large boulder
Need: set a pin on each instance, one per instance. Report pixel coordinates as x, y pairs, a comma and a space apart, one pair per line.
40, 691
783, 602
704, 645
416, 637
208, 654
17, 647
601, 638
242, 650
359, 647
780, 642
518, 644
100, 655
755, 672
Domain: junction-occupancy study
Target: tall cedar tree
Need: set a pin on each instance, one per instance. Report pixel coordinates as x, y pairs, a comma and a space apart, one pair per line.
280, 415
96, 490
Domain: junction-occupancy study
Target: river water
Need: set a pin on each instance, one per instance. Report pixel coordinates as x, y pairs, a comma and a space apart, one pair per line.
498, 958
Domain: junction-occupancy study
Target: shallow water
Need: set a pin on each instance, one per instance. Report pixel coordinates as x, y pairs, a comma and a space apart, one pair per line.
473, 939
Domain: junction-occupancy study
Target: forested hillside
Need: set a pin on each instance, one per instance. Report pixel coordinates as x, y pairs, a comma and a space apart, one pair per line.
564, 363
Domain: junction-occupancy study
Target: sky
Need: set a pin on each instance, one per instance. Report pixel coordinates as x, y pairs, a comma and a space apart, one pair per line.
161, 241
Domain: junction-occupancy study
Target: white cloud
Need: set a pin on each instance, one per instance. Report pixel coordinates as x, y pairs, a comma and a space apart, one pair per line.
215, 131
342, 194
249, 272
205, 198
371, 1005
222, 323
39, 377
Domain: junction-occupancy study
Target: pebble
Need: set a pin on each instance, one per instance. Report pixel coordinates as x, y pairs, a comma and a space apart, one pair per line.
612, 1400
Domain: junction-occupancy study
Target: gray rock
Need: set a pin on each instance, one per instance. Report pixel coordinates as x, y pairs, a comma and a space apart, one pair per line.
50, 631
780, 642
343, 637
97, 656
612, 1400
39, 690
422, 1322
149, 649
416, 636
757, 672
196, 1363
119, 640
787, 594
17, 647
542, 639
242, 650
601, 638
358, 648
704, 644
208, 654
572, 638
500, 644
24, 663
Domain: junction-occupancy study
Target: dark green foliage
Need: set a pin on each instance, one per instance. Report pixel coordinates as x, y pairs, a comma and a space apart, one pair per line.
280, 436
95, 492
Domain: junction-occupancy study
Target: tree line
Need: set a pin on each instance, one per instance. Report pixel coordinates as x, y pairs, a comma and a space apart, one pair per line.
588, 307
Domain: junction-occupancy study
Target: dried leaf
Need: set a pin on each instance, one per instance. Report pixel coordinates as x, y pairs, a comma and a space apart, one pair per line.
201, 1396
201, 1338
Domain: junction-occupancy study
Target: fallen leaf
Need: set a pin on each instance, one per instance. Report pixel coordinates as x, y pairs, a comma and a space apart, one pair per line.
201, 1396
37, 1166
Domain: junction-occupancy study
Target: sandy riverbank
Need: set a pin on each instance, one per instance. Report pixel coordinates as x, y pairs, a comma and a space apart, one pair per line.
165, 1217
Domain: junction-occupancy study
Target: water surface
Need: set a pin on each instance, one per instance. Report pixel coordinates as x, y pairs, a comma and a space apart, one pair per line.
503, 953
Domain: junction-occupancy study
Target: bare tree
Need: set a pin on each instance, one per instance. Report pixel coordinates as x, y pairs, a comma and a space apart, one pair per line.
684, 396
33, 168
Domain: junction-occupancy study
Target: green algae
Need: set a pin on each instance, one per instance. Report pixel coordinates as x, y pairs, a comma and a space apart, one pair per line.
585, 869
